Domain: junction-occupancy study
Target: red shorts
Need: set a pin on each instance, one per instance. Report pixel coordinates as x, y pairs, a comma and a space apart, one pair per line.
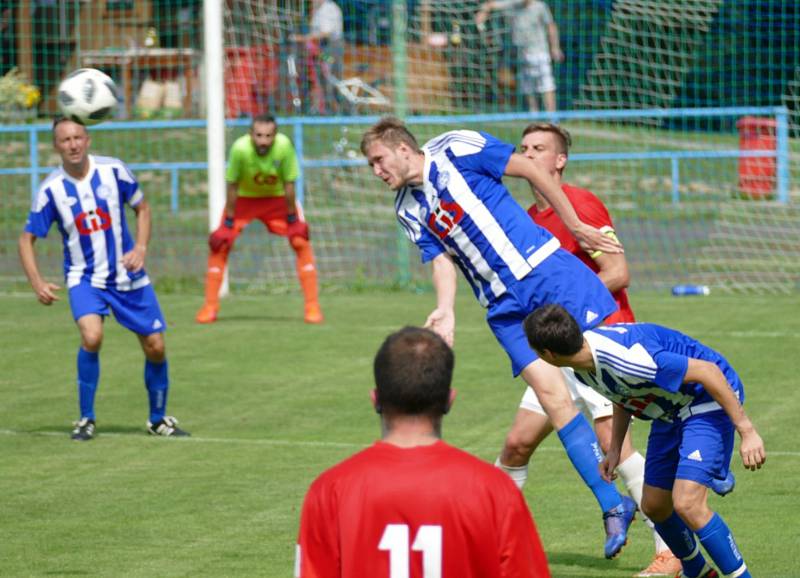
620, 316
269, 210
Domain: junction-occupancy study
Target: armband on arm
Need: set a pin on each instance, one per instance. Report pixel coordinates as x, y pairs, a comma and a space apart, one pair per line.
608, 232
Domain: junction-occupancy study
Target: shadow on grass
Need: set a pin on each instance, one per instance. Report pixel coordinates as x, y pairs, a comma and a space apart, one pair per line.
587, 561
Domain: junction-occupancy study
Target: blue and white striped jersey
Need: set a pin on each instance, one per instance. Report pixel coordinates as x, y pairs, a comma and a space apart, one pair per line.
463, 208
641, 366
90, 214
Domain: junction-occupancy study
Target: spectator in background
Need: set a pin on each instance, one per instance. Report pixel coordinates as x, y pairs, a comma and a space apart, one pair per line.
535, 38
325, 47
412, 491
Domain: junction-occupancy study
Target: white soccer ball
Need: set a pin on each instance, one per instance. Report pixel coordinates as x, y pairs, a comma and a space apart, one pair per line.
87, 96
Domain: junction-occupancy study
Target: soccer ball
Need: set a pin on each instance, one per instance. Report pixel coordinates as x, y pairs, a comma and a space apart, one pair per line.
87, 96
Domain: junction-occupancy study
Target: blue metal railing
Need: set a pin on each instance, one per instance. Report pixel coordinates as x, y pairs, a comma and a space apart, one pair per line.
780, 153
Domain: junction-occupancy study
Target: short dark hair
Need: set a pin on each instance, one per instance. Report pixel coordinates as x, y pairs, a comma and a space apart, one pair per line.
57, 120
413, 371
552, 327
266, 118
390, 131
562, 134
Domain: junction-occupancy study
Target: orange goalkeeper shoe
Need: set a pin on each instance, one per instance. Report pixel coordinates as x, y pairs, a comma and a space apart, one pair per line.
207, 314
664, 564
313, 313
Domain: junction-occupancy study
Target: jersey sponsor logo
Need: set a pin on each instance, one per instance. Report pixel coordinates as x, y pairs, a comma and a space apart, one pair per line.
444, 217
695, 456
93, 221
636, 405
262, 179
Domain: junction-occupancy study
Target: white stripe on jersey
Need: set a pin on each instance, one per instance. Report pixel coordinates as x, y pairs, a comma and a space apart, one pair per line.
62, 204
487, 224
86, 201
500, 254
631, 372
461, 142
635, 362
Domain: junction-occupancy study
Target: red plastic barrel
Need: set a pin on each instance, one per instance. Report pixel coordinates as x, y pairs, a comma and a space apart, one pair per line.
756, 174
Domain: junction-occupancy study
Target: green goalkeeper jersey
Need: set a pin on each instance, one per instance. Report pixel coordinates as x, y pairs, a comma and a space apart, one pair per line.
262, 176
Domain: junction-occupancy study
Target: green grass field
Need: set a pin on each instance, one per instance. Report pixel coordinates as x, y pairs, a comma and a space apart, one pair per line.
272, 402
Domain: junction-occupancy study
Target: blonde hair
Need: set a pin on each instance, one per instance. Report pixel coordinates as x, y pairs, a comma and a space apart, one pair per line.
390, 131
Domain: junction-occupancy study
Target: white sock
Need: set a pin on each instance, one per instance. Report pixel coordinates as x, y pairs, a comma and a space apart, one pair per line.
632, 473
519, 474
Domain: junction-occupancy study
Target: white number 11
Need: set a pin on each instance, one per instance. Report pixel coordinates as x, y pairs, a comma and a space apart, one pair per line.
428, 541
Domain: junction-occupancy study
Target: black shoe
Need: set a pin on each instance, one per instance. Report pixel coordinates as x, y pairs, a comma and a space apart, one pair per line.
166, 427
84, 430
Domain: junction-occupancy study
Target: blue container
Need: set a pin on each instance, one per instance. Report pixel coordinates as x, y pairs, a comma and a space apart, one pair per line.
691, 290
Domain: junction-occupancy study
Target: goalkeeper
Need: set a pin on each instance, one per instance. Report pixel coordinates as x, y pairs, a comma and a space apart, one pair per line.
262, 169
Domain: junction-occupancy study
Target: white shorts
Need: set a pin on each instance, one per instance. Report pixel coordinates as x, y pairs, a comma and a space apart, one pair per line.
536, 73
587, 399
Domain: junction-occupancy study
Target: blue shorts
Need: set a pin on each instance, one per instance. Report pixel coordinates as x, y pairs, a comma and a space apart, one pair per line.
561, 278
697, 449
137, 310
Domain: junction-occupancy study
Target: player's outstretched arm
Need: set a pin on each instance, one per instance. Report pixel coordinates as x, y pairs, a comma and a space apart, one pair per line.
713, 381
442, 320
45, 291
589, 238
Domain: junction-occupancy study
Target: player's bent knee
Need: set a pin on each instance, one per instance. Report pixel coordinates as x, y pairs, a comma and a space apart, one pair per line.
519, 446
688, 507
92, 341
154, 348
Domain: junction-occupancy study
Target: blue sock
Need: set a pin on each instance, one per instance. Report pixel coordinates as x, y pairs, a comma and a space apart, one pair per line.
156, 380
718, 541
88, 376
681, 540
583, 449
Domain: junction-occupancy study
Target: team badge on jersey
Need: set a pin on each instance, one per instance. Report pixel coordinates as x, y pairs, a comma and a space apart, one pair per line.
442, 180
104, 192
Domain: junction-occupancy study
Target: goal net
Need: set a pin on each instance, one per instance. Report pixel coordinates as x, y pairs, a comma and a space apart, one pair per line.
689, 207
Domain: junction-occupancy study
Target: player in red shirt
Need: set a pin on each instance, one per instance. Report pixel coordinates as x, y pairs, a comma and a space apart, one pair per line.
548, 146
412, 506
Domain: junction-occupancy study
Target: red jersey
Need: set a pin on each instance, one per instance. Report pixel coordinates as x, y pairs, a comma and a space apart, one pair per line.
591, 211
424, 512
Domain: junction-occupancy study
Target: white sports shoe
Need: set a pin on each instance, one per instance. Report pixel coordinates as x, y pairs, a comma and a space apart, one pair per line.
166, 427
